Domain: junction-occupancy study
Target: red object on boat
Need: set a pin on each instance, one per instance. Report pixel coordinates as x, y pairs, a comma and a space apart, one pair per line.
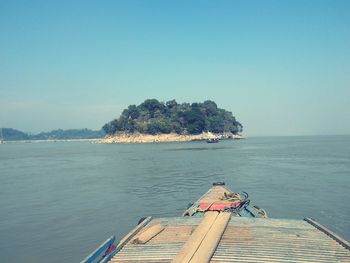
217, 206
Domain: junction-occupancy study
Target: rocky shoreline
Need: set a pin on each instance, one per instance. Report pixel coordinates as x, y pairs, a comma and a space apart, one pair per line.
171, 137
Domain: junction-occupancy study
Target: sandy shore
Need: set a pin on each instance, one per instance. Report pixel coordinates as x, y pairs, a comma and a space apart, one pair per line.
172, 137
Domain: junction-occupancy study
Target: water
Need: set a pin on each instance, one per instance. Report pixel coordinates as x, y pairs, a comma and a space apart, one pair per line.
58, 201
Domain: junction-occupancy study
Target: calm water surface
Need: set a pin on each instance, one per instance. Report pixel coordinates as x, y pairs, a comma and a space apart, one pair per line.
59, 201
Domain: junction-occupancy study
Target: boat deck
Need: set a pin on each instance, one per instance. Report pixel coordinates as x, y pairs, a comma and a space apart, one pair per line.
220, 198
243, 240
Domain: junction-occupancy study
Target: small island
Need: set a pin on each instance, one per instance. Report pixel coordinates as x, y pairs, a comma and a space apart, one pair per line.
154, 121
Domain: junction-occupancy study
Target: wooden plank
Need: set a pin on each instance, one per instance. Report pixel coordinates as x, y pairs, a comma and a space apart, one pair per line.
328, 232
127, 238
182, 221
212, 195
244, 240
134, 231
285, 256
196, 238
173, 234
267, 259
212, 239
147, 235
277, 249
273, 223
148, 253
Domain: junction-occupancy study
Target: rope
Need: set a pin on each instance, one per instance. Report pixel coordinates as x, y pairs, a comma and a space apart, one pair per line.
231, 197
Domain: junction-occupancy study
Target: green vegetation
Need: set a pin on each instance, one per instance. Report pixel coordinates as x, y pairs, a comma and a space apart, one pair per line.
10, 134
69, 134
153, 117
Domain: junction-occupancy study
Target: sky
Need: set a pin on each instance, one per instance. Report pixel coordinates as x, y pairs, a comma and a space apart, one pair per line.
281, 67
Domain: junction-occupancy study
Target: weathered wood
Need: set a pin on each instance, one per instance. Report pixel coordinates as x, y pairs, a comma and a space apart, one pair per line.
126, 239
215, 195
173, 234
218, 238
329, 233
244, 240
212, 239
147, 235
196, 238
134, 231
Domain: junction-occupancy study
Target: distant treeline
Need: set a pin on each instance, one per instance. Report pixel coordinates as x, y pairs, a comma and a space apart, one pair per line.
10, 134
153, 117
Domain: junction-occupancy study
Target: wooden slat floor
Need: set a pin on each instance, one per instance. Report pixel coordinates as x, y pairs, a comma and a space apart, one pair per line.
244, 240
214, 194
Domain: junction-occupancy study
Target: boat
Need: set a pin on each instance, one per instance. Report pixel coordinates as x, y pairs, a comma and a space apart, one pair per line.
213, 140
220, 198
222, 226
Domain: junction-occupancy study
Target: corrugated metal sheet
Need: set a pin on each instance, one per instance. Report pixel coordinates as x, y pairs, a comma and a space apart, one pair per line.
244, 240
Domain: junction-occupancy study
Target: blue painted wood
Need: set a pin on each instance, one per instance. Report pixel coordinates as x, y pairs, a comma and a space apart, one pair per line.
97, 253
249, 211
131, 235
245, 213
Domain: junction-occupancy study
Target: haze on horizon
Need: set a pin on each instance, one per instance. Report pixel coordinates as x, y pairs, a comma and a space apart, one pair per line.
281, 67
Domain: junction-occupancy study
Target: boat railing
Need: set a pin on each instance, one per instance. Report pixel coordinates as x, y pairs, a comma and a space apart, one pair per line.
328, 232
98, 254
108, 248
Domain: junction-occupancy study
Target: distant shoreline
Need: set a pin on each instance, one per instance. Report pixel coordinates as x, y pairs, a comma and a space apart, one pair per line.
128, 138
52, 140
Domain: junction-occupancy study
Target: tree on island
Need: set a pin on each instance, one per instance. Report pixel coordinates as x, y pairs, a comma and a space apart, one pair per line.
154, 117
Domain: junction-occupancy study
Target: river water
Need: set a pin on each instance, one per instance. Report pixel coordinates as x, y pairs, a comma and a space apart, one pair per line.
59, 201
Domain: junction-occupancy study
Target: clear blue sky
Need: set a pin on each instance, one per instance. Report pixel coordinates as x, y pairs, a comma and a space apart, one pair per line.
281, 67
